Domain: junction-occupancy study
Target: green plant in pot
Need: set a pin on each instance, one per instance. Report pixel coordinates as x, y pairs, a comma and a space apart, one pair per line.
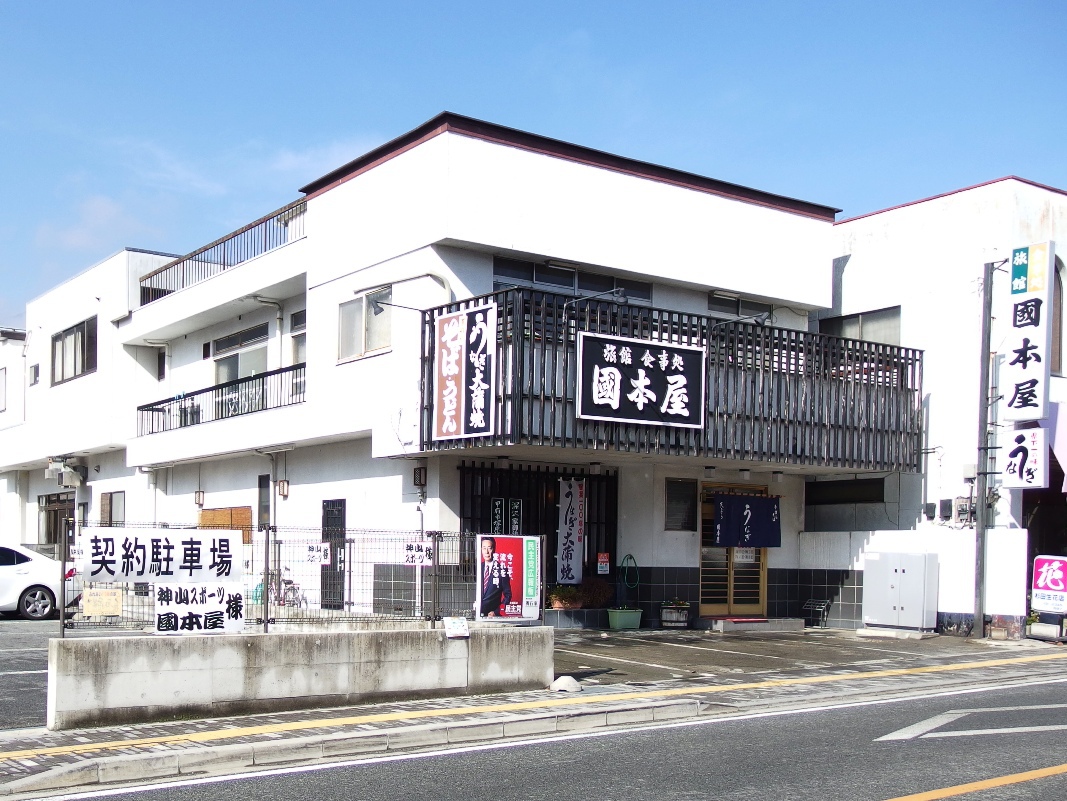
565, 596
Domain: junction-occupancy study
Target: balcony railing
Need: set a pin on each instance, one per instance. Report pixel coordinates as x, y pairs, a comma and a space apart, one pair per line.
772, 394
256, 393
276, 229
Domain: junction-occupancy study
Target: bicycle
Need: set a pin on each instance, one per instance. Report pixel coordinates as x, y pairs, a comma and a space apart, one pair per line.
282, 591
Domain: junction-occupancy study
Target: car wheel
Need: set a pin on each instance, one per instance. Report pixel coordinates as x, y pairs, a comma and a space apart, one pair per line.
37, 603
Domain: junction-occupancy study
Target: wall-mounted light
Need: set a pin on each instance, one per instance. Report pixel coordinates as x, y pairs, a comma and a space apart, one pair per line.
745, 474
419, 478
709, 470
283, 487
776, 476
198, 497
594, 468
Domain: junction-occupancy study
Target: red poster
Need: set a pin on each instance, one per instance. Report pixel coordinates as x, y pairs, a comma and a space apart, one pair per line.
500, 577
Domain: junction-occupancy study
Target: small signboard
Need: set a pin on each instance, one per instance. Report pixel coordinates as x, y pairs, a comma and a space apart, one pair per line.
456, 627
159, 554
101, 602
1027, 466
1048, 590
199, 609
744, 555
318, 553
498, 516
515, 517
603, 564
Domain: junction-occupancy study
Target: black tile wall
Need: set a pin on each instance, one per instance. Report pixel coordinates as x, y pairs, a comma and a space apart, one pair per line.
789, 588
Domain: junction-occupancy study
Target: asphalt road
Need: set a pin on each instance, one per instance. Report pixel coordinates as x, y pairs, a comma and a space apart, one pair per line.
872, 752
633, 657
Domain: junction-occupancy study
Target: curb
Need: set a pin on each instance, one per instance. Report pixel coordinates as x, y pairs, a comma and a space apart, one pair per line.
194, 760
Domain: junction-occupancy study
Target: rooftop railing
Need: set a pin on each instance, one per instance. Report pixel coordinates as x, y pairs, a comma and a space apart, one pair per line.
265, 234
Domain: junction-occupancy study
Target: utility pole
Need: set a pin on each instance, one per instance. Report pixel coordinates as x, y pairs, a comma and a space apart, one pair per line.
981, 511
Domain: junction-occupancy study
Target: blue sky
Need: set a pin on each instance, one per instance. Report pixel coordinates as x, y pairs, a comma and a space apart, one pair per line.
166, 125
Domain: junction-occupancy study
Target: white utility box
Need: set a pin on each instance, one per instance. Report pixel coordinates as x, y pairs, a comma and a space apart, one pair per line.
900, 590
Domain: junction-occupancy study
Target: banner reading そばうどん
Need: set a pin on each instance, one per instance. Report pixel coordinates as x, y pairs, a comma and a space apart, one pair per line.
464, 394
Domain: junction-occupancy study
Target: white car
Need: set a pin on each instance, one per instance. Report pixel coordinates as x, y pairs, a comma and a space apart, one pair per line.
29, 583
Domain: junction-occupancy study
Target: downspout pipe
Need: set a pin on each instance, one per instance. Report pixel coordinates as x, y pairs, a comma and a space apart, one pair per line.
278, 317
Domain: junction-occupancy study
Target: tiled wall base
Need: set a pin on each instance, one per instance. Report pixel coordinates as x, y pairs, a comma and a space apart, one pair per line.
576, 618
789, 588
955, 624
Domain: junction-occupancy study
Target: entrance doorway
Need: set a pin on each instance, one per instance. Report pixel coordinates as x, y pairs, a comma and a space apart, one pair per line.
733, 581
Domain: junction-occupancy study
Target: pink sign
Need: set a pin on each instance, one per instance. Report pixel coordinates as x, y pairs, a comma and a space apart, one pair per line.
1048, 592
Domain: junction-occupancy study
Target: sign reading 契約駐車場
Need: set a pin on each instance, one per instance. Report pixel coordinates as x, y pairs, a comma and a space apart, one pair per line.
464, 379
627, 380
1028, 345
158, 554
199, 608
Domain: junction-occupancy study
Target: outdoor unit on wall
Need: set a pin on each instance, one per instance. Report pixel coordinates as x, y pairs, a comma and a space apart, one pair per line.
73, 475
900, 590
964, 510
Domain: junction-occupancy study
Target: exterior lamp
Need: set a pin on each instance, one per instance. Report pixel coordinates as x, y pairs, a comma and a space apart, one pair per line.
618, 295
776, 476
745, 474
198, 497
758, 319
376, 306
594, 468
283, 487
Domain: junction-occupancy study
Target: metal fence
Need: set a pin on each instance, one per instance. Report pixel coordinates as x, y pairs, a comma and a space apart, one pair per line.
340, 576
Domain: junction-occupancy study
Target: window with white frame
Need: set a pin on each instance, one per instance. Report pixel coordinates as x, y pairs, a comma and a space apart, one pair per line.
365, 324
565, 280
74, 351
243, 354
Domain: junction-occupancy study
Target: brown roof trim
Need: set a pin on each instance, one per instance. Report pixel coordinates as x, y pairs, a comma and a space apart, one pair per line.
490, 132
954, 192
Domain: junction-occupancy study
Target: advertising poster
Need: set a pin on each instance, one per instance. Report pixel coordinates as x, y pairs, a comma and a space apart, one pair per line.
1048, 592
509, 578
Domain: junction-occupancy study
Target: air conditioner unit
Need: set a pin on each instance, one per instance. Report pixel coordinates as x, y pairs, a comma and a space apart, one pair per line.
73, 476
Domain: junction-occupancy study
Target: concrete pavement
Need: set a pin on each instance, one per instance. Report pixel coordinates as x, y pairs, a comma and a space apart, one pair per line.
627, 678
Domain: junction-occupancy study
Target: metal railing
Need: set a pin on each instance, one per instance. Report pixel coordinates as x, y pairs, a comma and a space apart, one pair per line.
316, 577
271, 390
771, 394
265, 234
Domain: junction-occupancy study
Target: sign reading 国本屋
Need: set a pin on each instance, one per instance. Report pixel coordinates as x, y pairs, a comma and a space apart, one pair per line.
1028, 345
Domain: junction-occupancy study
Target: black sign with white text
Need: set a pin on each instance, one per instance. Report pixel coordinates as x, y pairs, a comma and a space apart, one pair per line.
638, 381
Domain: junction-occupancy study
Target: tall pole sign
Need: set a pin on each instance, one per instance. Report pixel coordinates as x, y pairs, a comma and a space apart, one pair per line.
1029, 341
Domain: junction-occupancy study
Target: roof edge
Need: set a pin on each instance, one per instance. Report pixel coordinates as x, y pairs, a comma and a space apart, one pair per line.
449, 122
955, 192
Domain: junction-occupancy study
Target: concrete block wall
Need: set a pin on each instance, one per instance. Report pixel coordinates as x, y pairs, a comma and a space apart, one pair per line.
106, 681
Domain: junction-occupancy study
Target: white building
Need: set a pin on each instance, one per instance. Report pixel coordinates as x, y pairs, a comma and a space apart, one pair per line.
296, 350
912, 276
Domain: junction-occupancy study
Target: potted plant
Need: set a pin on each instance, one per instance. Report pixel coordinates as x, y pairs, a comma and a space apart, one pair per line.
674, 614
624, 617
565, 596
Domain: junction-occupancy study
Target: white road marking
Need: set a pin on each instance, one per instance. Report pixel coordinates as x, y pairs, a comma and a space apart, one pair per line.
497, 746
925, 728
21, 672
1014, 730
617, 659
921, 728
13, 650
702, 648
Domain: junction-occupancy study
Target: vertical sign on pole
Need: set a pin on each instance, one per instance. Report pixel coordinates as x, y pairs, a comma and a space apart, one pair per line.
570, 547
1029, 341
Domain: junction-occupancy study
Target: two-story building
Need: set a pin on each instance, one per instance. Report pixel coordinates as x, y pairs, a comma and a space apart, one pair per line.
467, 313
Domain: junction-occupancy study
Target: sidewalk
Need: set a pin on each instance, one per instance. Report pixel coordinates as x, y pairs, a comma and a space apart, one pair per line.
35, 761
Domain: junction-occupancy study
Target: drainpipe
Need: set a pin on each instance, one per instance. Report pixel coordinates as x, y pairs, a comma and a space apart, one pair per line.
278, 306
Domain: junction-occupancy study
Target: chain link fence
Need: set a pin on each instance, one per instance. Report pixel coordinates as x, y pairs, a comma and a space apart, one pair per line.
307, 576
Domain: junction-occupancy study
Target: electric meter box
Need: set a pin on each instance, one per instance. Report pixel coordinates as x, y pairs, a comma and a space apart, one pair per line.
900, 590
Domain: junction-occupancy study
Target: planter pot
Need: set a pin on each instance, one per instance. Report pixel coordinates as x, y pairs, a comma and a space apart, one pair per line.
624, 618
674, 617
566, 604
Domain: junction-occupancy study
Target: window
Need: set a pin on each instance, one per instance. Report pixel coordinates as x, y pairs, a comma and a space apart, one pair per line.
882, 326
245, 363
113, 509
35, 374
10, 558
74, 351
681, 505
3, 389
298, 320
242, 339
735, 306
565, 280
364, 325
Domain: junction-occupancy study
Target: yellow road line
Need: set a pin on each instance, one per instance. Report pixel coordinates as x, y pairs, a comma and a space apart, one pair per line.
985, 784
518, 706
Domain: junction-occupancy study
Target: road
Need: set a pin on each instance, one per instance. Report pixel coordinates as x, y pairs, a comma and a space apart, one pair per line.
875, 751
